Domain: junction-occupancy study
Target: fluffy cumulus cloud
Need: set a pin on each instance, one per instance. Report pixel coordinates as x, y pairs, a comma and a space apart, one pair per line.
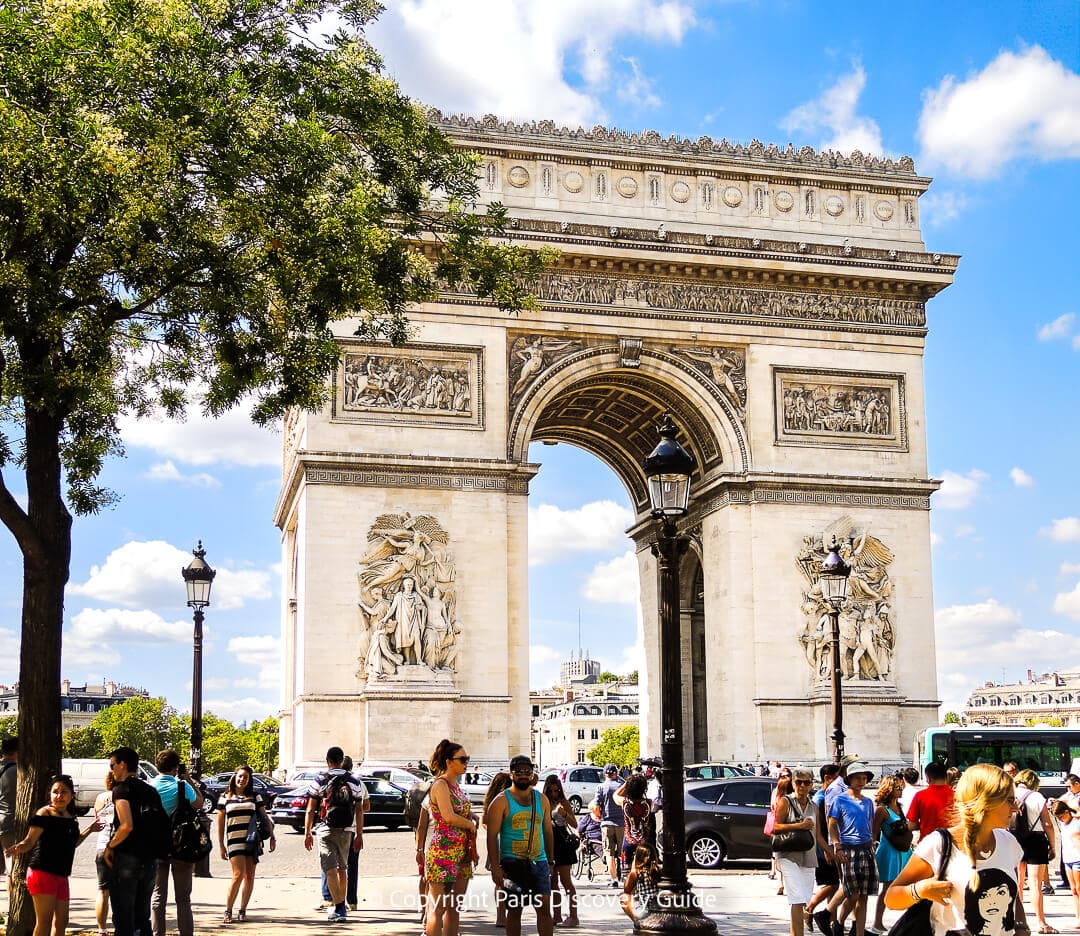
1068, 603
938, 208
1023, 104
544, 665
833, 114
1063, 530
599, 526
147, 574
9, 655
614, 581
957, 491
981, 638
244, 709
96, 636
231, 439
1021, 478
260, 656
1069, 568
167, 471
525, 60
1058, 329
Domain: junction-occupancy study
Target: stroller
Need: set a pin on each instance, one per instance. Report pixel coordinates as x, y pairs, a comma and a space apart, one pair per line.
591, 849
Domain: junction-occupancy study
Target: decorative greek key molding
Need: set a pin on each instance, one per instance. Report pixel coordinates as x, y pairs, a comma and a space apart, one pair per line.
447, 480
813, 497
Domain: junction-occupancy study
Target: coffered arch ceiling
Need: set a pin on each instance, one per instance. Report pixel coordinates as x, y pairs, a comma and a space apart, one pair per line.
614, 416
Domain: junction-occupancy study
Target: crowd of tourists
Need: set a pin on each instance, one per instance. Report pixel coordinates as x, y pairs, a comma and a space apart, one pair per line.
953, 853
957, 849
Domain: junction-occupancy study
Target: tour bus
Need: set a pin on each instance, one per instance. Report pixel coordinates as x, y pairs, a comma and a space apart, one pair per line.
1050, 752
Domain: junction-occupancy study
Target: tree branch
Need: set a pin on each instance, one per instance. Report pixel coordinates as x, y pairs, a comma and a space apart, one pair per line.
18, 521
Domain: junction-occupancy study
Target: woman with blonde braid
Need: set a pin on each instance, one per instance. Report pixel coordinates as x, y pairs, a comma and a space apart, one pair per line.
979, 888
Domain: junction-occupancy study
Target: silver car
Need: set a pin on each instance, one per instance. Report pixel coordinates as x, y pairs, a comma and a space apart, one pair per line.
579, 782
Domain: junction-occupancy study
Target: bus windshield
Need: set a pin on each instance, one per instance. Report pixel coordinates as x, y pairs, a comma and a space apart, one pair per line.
1050, 752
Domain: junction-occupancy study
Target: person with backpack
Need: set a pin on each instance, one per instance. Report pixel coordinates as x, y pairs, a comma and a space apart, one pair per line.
171, 784
141, 835
1034, 831
338, 798
893, 838
612, 819
242, 825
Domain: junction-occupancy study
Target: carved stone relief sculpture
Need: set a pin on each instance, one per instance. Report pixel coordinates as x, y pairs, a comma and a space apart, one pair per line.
867, 634
419, 384
839, 407
725, 367
407, 599
531, 355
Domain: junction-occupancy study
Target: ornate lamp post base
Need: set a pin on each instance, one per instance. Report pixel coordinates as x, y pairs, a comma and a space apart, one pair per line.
675, 910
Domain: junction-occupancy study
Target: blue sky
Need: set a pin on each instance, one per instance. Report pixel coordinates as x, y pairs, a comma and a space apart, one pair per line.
985, 96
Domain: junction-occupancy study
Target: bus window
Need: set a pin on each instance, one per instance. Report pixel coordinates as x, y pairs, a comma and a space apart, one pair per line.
939, 747
973, 751
1042, 756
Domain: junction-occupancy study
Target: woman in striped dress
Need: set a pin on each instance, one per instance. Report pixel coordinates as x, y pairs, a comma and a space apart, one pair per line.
236, 809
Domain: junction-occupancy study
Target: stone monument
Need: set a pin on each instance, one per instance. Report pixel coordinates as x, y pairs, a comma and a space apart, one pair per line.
774, 302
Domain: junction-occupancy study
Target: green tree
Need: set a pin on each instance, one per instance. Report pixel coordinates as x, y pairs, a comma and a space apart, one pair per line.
607, 677
261, 743
951, 718
620, 746
84, 742
9, 726
190, 198
225, 747
139, 723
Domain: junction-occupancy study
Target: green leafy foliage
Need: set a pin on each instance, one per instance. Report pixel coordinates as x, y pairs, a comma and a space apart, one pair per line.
9, 726
951, 718
619, 746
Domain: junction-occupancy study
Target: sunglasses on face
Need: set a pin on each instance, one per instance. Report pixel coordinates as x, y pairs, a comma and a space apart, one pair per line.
463, 760
804, 782
522, 771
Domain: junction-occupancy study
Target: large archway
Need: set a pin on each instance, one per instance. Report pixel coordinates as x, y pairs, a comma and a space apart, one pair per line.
773, 302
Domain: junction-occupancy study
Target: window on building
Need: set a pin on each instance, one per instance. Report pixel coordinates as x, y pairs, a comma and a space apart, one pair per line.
595, 734
581, 755
581, 734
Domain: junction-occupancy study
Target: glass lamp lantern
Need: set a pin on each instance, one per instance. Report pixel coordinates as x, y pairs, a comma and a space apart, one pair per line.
198, 577
668, 468
834, 576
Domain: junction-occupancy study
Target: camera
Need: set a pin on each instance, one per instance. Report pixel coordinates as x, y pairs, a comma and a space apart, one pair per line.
657, 763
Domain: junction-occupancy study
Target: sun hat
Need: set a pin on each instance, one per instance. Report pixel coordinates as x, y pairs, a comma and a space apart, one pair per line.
848, 759
856, 767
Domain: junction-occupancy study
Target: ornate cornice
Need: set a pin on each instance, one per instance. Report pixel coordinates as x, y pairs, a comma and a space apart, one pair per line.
754, 155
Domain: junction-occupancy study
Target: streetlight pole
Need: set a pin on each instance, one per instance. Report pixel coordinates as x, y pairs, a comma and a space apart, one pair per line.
198, 577
668, 468
834, 580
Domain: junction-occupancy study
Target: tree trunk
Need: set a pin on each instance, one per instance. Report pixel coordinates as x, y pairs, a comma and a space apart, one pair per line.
46, 565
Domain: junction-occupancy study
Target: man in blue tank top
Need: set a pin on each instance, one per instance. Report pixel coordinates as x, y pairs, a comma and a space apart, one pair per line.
521, 849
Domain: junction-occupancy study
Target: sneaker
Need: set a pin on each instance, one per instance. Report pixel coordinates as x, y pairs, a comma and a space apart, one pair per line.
824, 922
1047, 889
341, 916
837, 929
615, 884
332, 915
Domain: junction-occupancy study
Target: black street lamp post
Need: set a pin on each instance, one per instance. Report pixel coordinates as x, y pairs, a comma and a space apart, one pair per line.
198, 577
834, 581
668, 469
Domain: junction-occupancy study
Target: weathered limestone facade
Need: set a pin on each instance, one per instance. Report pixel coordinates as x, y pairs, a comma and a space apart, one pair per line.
775, 303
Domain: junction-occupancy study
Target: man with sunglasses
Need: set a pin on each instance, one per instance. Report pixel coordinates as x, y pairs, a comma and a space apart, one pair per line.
521, 848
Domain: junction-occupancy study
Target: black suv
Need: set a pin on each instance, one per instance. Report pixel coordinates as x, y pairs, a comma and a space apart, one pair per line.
726, 819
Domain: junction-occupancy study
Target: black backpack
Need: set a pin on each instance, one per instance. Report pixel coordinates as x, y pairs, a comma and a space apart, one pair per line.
338, 807
153, 826
414, 802
1019, 825
190, 838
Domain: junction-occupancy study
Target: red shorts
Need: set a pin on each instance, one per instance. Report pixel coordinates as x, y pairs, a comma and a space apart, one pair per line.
51, 885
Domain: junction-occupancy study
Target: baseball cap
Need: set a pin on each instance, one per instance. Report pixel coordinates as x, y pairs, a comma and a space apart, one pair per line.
520, 760
610, 768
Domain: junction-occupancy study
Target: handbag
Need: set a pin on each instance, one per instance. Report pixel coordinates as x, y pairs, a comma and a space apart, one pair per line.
190, 836
797, 840
770, 822
897, 833
915, 921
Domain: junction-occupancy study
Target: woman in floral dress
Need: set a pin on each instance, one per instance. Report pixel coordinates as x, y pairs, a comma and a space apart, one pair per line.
452, 851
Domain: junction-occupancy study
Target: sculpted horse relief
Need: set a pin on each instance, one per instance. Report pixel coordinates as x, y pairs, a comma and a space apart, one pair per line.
407, 597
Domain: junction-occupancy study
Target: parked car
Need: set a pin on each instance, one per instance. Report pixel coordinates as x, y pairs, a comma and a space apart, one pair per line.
399, 776
476, 784
579, 783
88, 777
387, 805
726, 819
715, 771
267, 786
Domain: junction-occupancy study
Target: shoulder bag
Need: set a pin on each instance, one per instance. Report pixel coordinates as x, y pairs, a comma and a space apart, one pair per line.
897, 833
915, 921
797, 840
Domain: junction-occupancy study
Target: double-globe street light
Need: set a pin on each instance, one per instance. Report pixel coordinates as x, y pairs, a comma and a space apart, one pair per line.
668, 469
833, 578
198, 577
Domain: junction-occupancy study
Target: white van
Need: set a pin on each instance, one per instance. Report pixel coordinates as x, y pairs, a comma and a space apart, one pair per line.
88, 776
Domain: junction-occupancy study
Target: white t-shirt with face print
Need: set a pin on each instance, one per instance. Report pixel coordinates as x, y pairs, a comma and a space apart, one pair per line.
989, 911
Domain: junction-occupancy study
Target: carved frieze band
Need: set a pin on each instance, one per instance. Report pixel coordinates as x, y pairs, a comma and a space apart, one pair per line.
436, 480
597, 289
831, 408
425, 385
795, 496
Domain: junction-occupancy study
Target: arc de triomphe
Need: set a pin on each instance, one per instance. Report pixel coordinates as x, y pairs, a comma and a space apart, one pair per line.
774, 302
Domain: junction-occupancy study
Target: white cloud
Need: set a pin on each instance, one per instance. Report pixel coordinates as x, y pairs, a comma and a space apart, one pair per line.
632, 658
636, 89
518, 58
964, 530
1023, 104
167, 471
614, 581
958, 491
1021, 478
937, 208
1069, 568
599, 526
147, 573
544, 665
1063, 530
1061, 327
936, 539
96, 635
833, 113
231, 439
261, 654
1076, 342
245, 709
9, 655
1068, 603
